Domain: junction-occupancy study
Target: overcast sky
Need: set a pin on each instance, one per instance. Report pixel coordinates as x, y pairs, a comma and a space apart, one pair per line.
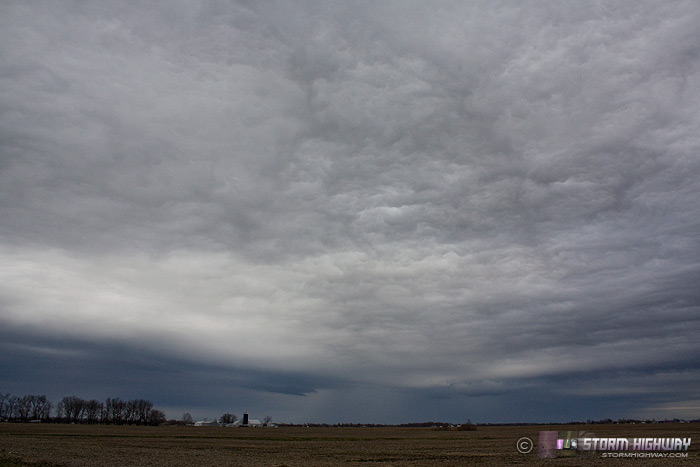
383, 212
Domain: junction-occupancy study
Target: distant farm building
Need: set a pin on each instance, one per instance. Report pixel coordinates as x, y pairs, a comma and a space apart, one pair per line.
251, 422
205, 423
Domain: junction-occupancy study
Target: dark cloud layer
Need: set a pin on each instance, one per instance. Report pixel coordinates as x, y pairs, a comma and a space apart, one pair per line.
354, 212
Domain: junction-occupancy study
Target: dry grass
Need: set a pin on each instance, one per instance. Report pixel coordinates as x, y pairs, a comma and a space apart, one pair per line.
77, 445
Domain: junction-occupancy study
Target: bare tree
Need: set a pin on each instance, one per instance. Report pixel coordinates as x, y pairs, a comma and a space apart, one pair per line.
144, 408
93, 410
156, 417
104, 413
117, 409
46, 411
4, 406
31, 407
107, 411
60, 411
12, 407
24, 407
187, 418
267, 420
228, 418
74, 407
132, 411
40, 408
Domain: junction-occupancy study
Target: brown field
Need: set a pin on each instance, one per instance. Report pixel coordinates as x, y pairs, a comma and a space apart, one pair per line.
82, 445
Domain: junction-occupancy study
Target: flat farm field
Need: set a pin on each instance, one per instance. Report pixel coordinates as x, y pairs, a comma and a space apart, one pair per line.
48, 445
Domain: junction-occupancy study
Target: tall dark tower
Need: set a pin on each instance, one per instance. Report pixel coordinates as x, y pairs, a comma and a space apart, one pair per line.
245, 419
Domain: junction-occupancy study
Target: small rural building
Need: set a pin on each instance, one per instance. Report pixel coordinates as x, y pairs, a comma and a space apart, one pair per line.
251, 422
205, 423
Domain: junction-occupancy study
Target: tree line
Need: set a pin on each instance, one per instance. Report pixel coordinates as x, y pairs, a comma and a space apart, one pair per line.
72, 409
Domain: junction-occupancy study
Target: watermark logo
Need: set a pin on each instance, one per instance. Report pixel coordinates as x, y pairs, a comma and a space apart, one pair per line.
524, 445
556, 443
635, 444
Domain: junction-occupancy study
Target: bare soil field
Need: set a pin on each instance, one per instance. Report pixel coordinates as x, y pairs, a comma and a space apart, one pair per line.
48, 445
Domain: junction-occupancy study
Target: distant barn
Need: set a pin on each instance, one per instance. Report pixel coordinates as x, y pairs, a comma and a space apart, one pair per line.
251, 422
205, 423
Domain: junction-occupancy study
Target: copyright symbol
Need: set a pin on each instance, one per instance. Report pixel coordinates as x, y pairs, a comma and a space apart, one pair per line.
524, 445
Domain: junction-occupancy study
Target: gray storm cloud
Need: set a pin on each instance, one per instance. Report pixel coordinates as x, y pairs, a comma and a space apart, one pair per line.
478, 198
